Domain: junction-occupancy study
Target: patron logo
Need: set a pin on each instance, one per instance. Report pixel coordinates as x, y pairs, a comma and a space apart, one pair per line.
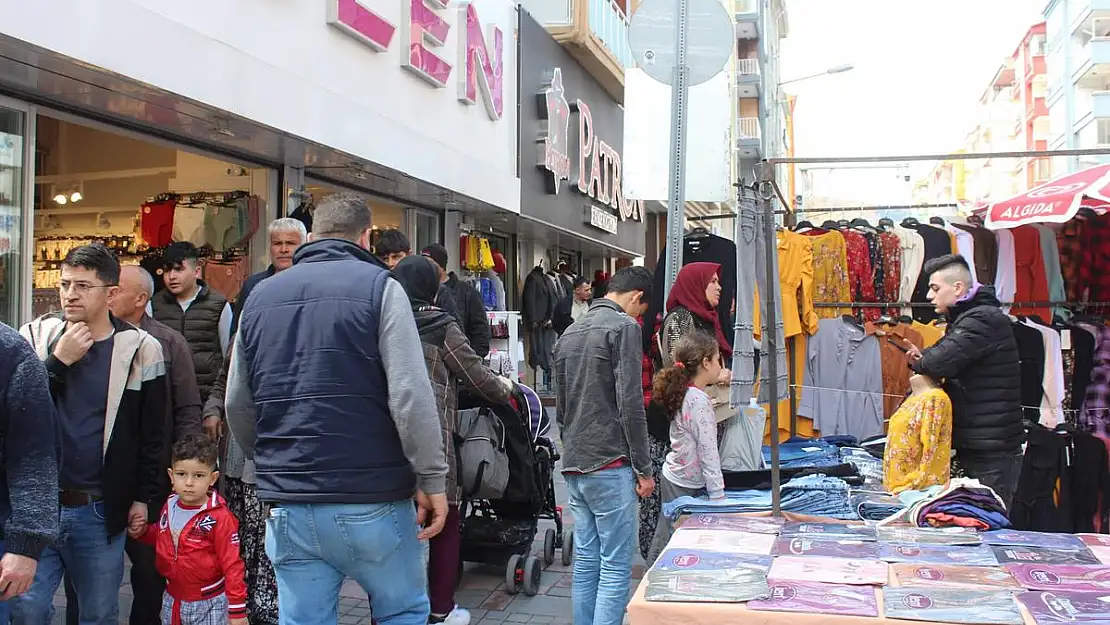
598, 164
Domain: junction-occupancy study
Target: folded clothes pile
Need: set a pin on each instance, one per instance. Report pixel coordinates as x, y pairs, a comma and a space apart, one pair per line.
870, 467
816, 495
963, 502
804, 452
872, 506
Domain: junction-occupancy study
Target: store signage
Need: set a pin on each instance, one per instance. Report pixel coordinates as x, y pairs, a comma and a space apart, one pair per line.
598, 164
601, 219
424, 28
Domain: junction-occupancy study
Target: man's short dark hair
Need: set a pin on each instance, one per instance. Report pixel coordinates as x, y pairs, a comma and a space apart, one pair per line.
178, 252
579, 281
341, 216
196, 447
392, 241
98, 258
631, 279
940, 263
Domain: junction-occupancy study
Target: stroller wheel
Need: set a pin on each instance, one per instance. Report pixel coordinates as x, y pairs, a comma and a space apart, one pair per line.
548, 547
568, 547
513, 574
532, 571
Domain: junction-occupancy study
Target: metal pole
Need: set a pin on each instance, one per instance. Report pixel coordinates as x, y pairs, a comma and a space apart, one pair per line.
770, 322
965, 156
680, 95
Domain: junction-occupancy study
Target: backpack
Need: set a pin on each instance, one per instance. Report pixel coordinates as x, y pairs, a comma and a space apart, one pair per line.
483, 470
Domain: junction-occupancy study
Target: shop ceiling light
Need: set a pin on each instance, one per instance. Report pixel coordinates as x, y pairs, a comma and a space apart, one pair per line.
76, 196
60, 199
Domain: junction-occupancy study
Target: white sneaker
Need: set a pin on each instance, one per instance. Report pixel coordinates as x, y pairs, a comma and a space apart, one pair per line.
458, 616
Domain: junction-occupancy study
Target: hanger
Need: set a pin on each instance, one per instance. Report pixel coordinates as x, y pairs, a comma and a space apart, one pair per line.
843, 223
910, 222
936, 221
852, 320
830, 224
802, 225
860, 222
886, 222
699, 232
975, 220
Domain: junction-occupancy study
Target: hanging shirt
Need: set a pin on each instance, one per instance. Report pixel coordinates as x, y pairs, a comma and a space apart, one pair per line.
843, 381
986, 252
913, 258
1083, 339
930, 334
1052, 400
1050, 252
895, 367
1095, 417
1032, 283
965, 246
830, 271
796, 277
861, 280
892, 270
919, 443
1069, 242
937, 244
1005, 280
1031, 354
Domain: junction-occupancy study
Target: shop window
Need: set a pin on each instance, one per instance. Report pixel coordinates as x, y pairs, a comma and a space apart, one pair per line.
11, 215
426, 229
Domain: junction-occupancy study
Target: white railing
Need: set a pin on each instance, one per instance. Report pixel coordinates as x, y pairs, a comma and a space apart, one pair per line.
610, 24
747, 128
746, 6
747, 67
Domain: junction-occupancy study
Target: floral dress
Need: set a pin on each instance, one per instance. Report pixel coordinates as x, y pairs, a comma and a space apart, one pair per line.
919, 443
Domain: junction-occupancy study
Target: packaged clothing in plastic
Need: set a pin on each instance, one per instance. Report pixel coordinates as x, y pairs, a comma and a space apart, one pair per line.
1061, 577
733, 523
1034, 555
951, 605
742, 443
790, 596
929, 535
980, 555
1065, 606
1092, 540
682, 559
725, 542
724, 586
1043, 540
953, 576
829, 570
830, 531
819, 546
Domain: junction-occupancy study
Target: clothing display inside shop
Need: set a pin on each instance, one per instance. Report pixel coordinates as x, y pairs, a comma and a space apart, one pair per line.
481, 271
537, 310
843, 385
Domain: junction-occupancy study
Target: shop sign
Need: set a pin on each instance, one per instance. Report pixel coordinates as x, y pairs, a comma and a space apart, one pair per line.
424, 28
598, 164
601, 219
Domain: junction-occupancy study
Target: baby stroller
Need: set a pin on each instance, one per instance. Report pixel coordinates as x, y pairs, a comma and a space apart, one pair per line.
500, 531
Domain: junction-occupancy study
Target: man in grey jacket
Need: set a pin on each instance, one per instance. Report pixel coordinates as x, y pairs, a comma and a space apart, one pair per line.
600, 411
328, 394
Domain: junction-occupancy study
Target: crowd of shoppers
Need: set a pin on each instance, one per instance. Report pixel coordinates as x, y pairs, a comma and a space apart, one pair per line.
250, 457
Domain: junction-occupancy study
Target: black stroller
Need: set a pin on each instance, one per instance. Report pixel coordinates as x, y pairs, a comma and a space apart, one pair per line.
501, 531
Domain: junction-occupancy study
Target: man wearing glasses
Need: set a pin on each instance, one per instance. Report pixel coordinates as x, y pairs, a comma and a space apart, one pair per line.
107, 380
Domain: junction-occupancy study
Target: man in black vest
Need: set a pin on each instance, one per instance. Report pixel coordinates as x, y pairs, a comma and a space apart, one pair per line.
200, 314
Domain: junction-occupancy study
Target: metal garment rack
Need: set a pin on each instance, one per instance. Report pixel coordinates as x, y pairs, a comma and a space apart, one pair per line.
768, 192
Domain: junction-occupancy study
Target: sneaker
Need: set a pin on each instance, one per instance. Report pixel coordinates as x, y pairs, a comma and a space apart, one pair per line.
458, 616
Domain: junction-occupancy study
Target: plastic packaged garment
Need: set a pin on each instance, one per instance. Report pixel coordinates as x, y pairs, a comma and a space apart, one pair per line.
952, 576
681, 559
1061, 577
742, 443
733, 523
829, 570
1044, 540
929, 535
939, 554
724, 586
791, 596
724, 542
1067, 607
830, 531
1034, 555
950, 605
809, 546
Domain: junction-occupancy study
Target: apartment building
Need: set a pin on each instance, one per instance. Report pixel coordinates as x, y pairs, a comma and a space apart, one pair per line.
762, 107
1078, 67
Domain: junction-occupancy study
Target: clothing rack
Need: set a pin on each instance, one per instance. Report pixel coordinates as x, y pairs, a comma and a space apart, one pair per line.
712, 217
928, 305
200, 196
847, 209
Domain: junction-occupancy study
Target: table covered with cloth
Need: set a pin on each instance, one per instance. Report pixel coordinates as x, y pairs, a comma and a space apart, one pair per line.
643, 612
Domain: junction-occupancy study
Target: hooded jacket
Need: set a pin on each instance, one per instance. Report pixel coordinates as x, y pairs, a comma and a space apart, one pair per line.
977, 360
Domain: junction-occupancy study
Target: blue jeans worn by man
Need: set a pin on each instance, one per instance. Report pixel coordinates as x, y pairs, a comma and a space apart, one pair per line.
604, 507
94, 561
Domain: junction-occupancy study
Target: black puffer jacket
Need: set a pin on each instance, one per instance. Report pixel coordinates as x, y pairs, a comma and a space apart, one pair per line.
978, 361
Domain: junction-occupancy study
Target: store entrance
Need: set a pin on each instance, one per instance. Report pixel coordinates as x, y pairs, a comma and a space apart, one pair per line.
136, 195
383, 215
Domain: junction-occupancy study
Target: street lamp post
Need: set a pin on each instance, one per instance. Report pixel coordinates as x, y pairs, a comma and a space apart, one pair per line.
837, 69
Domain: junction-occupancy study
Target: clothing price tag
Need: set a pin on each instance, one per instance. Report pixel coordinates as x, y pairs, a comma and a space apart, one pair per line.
1065, 339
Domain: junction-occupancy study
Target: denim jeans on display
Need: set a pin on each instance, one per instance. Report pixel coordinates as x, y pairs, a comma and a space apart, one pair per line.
799, 453
315, 546
815, 495
86, 554
870, 467
605, 515
874, 506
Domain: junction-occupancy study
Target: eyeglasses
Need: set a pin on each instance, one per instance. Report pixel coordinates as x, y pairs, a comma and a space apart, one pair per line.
80, 288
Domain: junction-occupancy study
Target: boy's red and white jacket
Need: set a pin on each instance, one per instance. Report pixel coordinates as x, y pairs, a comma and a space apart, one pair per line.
205, 562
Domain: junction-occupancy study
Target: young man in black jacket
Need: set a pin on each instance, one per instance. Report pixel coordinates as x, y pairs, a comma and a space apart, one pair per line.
471, 312
977, 360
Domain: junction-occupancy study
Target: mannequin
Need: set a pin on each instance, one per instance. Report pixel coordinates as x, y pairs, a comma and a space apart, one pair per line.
919, 439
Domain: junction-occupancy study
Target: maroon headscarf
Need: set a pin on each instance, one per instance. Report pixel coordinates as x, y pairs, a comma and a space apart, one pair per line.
689, 292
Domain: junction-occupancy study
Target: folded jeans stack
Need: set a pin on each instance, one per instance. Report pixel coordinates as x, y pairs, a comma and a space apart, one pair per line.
872, 506
799, 453
870, 467
815, 495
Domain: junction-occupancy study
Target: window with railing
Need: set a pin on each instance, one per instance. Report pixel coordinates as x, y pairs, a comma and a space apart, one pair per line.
609, 21
747, 67
1036, 45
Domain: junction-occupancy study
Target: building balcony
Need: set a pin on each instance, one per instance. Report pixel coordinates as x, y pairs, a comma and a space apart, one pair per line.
1100, 101
1093, 64
748, 137
1093, 10
747, 78
747, 19
594, 32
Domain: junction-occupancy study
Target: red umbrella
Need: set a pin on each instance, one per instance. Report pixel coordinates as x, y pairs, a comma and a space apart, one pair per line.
1055, 201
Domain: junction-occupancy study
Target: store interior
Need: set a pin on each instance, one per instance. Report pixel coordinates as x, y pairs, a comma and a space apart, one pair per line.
136, 195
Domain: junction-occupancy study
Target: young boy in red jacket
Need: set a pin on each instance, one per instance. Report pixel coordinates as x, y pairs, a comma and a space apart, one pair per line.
197, 543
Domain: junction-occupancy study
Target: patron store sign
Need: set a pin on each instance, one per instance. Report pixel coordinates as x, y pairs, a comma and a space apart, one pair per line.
595, 165
425, 25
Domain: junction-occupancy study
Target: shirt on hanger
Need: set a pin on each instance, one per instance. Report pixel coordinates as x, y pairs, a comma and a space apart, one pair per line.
1031, 352
796, 277
913, 258
1083, 340
1052, 400
930, 334
1005, 280
937, 243
1095, 417
986, 251
965, 246
1050, 252
1032, 283
860, 277
843, 382
830, 271
919, 443
892, 270
1069, 242
895, 369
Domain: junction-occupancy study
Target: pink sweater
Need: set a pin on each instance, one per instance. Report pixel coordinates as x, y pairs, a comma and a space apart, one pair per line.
693, 461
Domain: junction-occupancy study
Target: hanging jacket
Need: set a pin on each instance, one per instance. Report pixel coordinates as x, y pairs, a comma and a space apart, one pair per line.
200, 325
205, 562
471, 313
539, 298
978, 361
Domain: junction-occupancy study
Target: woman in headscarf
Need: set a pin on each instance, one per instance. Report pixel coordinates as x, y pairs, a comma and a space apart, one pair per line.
449, 357
691, 307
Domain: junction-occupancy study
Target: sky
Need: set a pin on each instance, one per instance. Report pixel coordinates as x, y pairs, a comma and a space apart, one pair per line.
920, 68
